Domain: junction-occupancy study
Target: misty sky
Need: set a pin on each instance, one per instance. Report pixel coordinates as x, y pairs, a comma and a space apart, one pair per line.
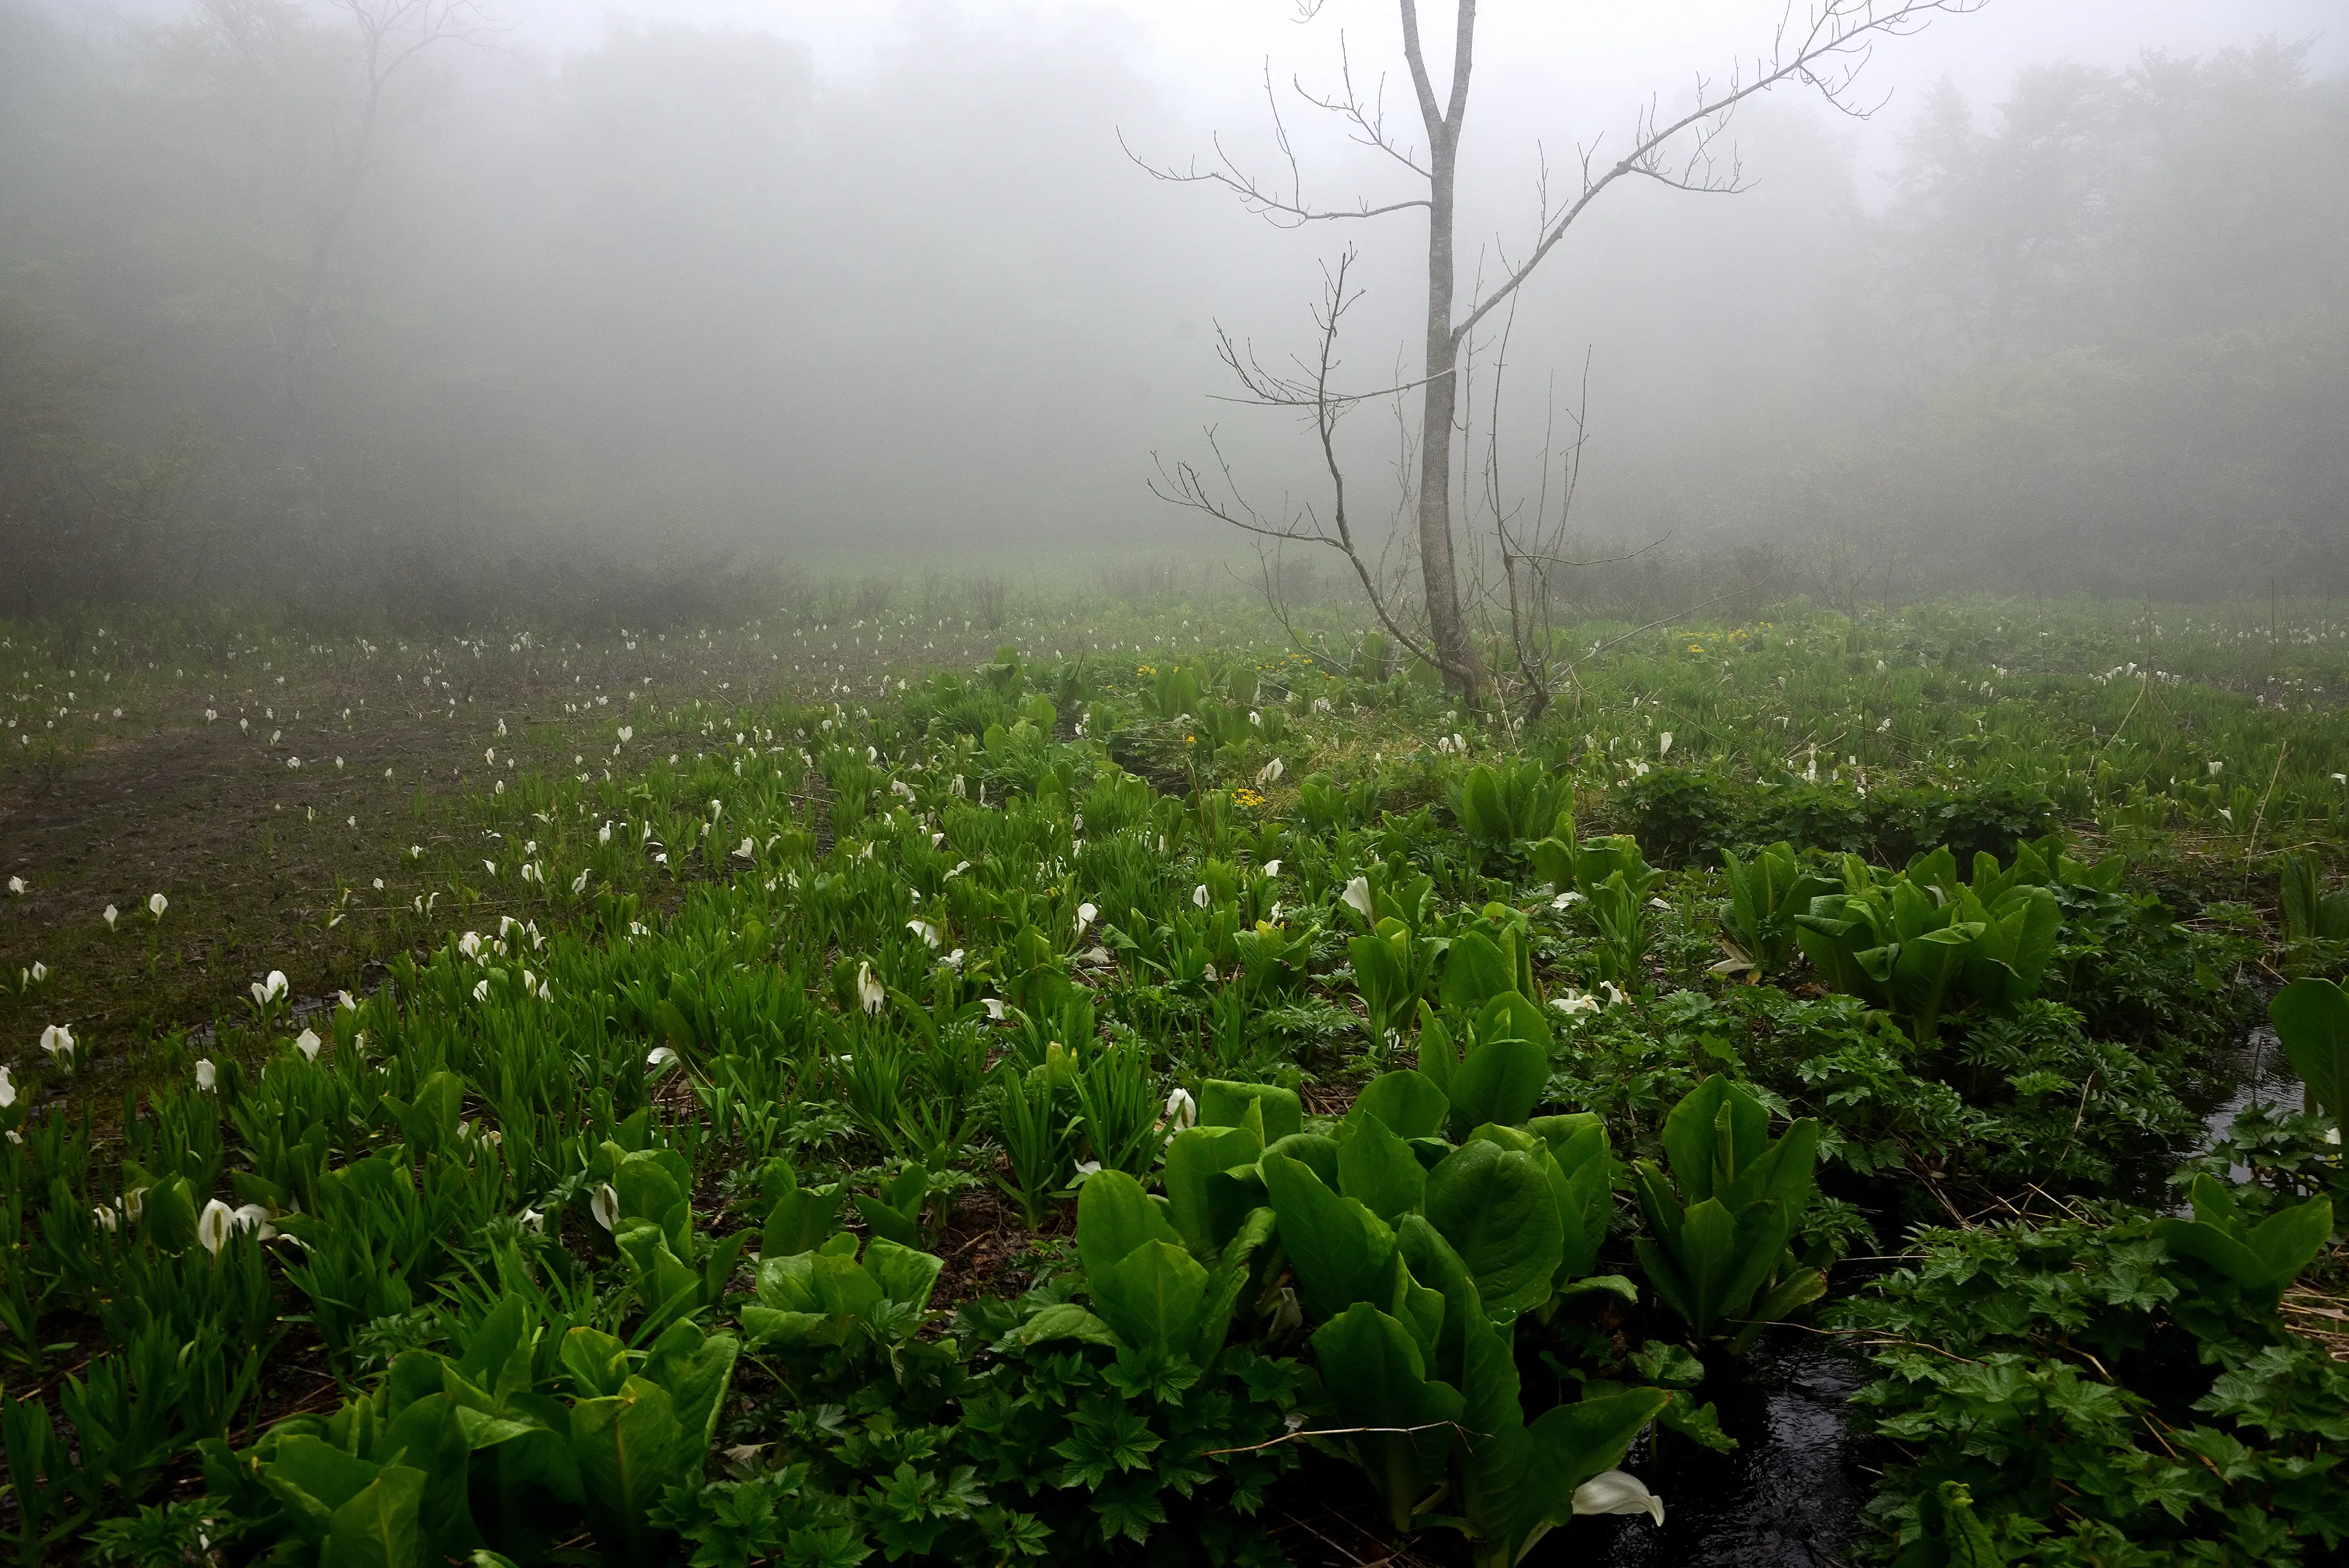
810, 277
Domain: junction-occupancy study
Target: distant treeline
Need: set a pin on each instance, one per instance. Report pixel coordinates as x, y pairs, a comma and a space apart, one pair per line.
587, 337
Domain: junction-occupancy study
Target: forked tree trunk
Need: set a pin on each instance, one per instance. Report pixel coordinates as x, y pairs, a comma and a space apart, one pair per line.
1440, 394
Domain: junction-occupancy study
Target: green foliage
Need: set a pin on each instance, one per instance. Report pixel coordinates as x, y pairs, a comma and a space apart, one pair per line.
1720, 1256
2312, 1018
1764, 897
853, 1002
2098, 1396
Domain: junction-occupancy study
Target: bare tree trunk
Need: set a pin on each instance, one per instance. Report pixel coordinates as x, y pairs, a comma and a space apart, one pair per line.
1440, 394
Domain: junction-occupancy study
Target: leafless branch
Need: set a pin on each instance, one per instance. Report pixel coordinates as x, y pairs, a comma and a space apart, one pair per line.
1288, 211
1369, 121
1184, 485
1827, 52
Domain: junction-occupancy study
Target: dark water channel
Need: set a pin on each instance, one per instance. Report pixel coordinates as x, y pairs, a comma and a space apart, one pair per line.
2260, 1076
1790, 1497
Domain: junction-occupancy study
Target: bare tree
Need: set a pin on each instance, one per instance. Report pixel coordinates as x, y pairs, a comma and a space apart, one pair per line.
1824, 45
329, 148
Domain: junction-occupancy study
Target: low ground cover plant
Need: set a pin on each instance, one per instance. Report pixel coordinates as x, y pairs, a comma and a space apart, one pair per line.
1072, 1110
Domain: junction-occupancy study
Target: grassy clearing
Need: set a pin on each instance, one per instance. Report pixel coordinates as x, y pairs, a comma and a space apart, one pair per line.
736, 1141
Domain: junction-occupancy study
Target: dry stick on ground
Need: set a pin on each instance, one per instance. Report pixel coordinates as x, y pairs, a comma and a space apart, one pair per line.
1825, 49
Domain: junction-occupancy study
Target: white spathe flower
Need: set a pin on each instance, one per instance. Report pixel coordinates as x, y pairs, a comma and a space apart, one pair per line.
58, 1041
109, 914
307, 1042
605, 1206
156, 904
213, 1225
347, 1002
579, 883
1614, 993
1567, 900
16, 886
659, 1056
2216, 767
1358, 896
870, 993
926, 930
1665, 743
1618, 1491
747, 849
7, 1090
953, 960
628, 733
108, 1220
1575, 1002
1200, 896
532, 1220
1272, 868
1182, 1110
995, 1010
1084, 1167
1269, 774
1085, 915
271, 989
480, 990
207, 1074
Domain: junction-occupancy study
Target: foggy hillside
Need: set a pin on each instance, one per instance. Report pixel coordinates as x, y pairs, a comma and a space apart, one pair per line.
272, 322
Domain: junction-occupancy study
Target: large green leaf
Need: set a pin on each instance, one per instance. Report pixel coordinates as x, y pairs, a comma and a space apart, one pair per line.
1231, 1279
1371, 1366
1340, 1248
306, 1463
906, 1274
526, 1491
2312, 1017
1501, 1082
379, 1527
1223, 1103
1580, 1174
1501, 1493
1496, 1209
1708, 1258
695, 1370
598, 1364
1155, 1297
1407, 1101
1317, 1150
428, 1436
1475, 970
1574, 1442
1380, 1169
1194, 1155
800, 1220
1785, 1172
629, 1448
1928, 964
1706, 1149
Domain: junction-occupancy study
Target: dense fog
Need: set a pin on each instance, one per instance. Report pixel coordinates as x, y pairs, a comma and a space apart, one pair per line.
281, 318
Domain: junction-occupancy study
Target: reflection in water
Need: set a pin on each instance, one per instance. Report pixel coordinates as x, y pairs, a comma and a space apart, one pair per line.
1788, 1498
2262, 1076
